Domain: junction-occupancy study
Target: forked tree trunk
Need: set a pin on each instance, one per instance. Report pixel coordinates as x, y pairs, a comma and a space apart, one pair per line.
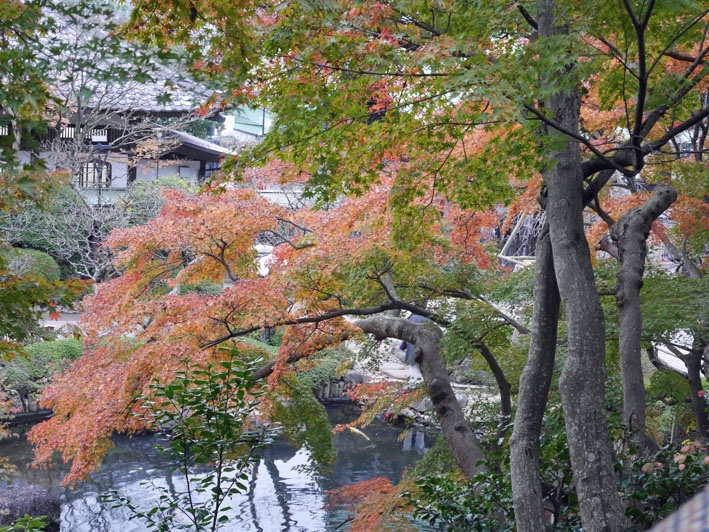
533, 392
460, 438
582, 379
630, 237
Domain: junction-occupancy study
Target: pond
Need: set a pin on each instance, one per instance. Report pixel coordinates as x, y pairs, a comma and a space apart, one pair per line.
281, 497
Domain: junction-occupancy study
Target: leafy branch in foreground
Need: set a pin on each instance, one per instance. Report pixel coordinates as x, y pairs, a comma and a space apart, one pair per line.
26, 524
206, 414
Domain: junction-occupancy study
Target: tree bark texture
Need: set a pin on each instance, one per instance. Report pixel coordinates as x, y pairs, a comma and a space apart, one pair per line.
630, 237
460, 438
533, 392
582, 380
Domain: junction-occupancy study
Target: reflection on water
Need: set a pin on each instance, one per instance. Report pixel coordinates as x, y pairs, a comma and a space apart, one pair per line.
281, 496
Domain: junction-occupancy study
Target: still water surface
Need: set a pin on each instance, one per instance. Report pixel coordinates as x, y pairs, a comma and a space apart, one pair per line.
281, 496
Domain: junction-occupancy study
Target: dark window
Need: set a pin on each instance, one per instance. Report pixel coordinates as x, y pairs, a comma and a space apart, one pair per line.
210, 169
132, 174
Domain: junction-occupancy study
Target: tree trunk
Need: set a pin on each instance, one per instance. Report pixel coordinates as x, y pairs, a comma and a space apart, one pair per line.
502, 383
630, 237
533, 392
460, 438
582, 379
693, 361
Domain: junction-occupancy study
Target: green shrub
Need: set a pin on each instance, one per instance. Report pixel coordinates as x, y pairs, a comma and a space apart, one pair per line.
451, 504
145, 198
55, 351
658, 485
326, 370
28, 375
166, 181
31, 262
203, 287
276, 338
263, 349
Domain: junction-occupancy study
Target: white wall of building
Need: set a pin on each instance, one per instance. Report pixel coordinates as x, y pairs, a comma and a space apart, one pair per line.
119, 171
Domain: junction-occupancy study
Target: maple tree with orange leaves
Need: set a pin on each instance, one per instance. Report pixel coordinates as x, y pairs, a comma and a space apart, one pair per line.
329, 265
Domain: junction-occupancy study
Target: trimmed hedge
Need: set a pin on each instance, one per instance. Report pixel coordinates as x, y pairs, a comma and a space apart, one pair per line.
31, 262
203, 288
28, 375
56, 350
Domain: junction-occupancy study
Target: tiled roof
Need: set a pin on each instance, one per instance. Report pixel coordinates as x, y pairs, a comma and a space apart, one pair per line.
167, 88
163, 95
200, 144
168, 92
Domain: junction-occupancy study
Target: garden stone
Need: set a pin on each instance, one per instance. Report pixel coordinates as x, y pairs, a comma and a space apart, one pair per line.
18, 501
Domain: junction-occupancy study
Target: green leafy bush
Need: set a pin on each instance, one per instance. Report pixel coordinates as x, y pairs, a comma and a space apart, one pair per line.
145, 199
31, 262
454, 505
260, 348
26, 375
55, 351
273, 336
203, 287
328, 362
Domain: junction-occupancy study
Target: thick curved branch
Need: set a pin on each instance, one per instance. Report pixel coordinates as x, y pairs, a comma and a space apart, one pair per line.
679, 56
462, 294
365, 311
624, 154
659, 364
630, 235
461, 440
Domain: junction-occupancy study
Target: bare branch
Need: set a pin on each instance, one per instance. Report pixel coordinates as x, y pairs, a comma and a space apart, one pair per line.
527, 16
